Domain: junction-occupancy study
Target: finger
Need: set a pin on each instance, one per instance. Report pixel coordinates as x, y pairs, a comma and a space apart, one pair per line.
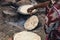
28, 10
30, 13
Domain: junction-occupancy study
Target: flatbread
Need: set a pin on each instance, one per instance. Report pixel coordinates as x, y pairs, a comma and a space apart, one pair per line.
25, 35
23, 9
31, 23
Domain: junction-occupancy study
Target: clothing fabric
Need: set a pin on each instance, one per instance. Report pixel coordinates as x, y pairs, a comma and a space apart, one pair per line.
53, 29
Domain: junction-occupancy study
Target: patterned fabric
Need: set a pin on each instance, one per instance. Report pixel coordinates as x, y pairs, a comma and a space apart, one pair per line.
53, 29
53, 15
54, 35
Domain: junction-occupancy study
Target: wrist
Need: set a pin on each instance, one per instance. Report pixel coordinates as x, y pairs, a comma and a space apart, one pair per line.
35, 7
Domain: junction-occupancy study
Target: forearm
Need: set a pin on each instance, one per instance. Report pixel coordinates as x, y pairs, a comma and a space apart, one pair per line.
41, 5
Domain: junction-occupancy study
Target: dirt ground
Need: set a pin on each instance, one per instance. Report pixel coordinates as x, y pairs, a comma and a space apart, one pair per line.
7, 30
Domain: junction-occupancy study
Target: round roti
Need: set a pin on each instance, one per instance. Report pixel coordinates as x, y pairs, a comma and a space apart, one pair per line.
31, 23
25, 35
23, 9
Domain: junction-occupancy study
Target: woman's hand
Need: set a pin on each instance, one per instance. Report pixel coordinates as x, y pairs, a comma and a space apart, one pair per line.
30, 10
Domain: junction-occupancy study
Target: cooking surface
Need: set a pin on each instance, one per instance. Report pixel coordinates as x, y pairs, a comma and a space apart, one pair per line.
10, 25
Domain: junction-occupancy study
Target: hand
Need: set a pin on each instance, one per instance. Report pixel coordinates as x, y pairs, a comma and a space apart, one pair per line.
30, 10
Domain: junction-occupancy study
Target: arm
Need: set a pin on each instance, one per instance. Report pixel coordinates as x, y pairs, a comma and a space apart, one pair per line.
40, 5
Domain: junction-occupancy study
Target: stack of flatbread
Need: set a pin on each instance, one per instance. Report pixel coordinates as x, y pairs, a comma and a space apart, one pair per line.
31, 23
25, 35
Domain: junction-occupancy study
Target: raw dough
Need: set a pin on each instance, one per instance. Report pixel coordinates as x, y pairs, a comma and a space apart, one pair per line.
23, 9
31, 23
25, 35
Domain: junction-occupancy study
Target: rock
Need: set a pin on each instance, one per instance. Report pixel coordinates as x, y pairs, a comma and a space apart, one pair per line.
42, 19
2, 35
13, 1
9, 11
23, 2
